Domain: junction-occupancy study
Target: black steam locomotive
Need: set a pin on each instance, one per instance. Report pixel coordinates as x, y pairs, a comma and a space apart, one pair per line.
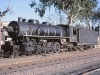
33, 38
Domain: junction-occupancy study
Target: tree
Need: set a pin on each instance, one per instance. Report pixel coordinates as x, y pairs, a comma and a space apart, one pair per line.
3, 13
59, 18
39, 8
74, 9
96, 16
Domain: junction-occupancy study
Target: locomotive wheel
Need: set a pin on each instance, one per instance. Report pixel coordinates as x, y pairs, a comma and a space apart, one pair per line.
36, 52
81, 48
28, 53
66, 49
85, 47
41, 49
49, 47
70, 49
41, 52
91, 47
6, 55
56, 47
16, 53
38, 49
44, 50
75, 48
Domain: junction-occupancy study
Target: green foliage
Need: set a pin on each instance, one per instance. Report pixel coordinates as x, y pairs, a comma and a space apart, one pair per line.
32, 4
96, 16
74, 9
39, 8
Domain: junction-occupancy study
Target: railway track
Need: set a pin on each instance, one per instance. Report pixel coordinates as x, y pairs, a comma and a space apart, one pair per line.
39, 58
48, 65
93, 72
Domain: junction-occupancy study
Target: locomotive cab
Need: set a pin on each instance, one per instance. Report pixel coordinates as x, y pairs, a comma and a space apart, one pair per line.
73, 34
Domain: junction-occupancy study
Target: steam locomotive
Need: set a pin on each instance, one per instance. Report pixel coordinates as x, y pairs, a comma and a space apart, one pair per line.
31, 37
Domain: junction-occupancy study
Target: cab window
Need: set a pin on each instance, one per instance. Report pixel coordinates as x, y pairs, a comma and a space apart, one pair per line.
74, 31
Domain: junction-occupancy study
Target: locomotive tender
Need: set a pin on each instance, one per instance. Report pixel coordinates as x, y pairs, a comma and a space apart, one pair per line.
33, 38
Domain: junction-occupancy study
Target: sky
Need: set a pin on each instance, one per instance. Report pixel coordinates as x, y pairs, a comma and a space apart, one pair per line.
21, 8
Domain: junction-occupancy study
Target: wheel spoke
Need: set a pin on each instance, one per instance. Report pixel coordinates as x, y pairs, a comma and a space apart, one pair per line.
56, 47
50, 48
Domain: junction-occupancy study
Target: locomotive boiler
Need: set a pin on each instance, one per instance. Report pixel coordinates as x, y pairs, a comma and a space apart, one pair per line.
31, 37
32, 27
